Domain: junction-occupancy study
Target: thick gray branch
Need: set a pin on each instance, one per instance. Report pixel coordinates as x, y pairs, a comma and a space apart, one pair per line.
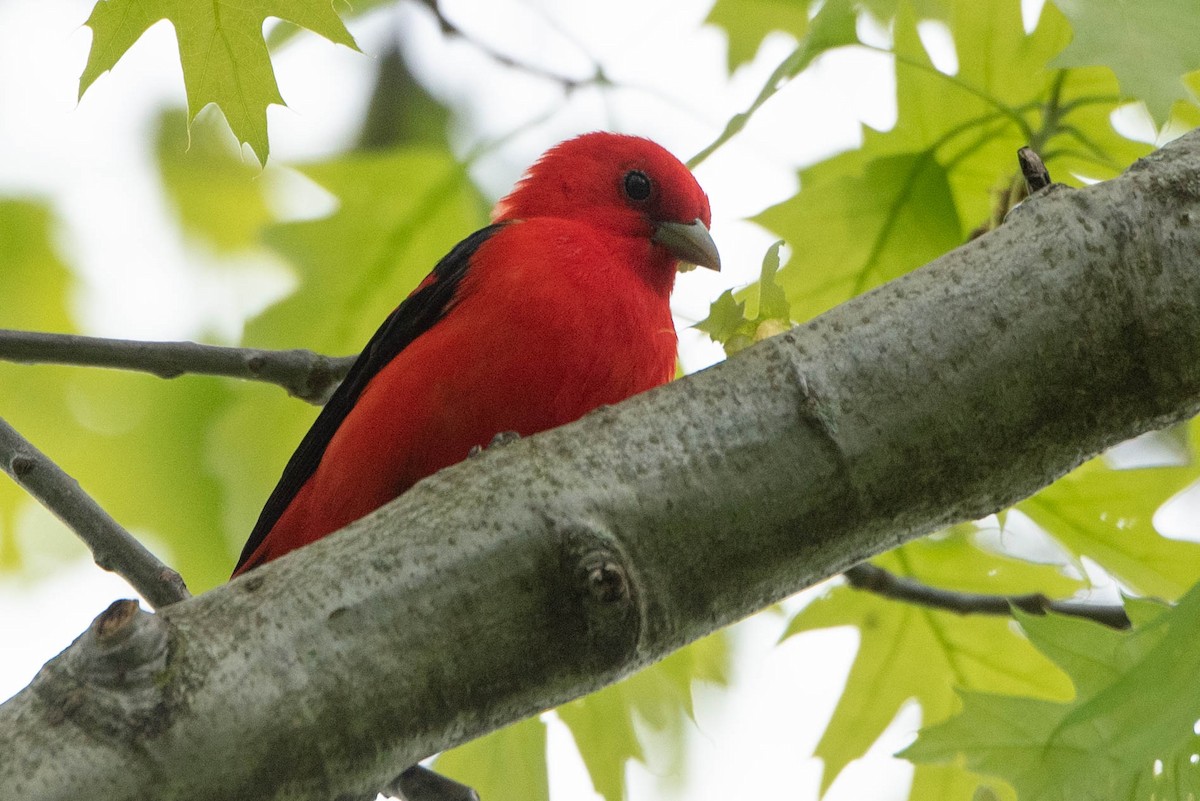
552, 566
304, 374
112, 546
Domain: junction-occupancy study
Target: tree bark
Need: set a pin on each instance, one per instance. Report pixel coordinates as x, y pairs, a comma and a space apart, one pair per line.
547, 568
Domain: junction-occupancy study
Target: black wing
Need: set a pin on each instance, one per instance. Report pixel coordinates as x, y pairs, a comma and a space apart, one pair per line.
413, 317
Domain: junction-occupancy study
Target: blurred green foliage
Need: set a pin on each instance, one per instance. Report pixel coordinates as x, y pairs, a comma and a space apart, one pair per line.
944, 173
221, 47
1129, 731
1048, 707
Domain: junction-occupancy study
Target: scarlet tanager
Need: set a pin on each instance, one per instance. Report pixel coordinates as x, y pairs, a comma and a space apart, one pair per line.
559, 306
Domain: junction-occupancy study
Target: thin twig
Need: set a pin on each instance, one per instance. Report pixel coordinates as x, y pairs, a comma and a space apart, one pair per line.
568, 84
1037, 177
422, 784
881, 582
112, 546
304, 374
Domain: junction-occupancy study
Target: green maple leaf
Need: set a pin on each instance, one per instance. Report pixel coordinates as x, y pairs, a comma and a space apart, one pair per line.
772, 301
748, 23
286, 30
221, 48
913, 193
1128, 733
908, 652
1107, 515
857, 225
1149, 45
733, 326
726, 317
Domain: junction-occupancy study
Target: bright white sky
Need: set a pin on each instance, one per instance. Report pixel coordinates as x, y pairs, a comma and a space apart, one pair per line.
140, 279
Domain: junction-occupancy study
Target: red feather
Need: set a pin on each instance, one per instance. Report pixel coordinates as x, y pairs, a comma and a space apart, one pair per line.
560, 307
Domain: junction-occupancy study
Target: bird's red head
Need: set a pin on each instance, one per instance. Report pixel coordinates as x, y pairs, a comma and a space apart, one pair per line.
621, 182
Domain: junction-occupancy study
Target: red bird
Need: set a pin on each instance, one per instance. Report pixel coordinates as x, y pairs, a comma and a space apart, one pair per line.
560, 306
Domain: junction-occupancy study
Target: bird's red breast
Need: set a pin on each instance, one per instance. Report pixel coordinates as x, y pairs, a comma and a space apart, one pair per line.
559, 307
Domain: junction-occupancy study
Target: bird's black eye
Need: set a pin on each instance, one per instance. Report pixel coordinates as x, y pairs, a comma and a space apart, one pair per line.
637, 185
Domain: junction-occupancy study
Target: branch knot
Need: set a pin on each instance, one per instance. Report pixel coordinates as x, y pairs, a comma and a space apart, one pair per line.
22, 465
600, 575
606, 580
125, 647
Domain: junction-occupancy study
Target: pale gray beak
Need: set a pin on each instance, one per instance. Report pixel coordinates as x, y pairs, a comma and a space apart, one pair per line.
689, 242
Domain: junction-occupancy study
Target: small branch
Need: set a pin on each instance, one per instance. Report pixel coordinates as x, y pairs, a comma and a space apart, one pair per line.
304, 374
568, 84
879, 581
112, 546
422, 784
1034, 178
1037, 177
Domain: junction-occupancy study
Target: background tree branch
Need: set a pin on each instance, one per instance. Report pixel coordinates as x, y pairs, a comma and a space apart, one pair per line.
879, 581
112, 546
568, 83
554, 565
304, 374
